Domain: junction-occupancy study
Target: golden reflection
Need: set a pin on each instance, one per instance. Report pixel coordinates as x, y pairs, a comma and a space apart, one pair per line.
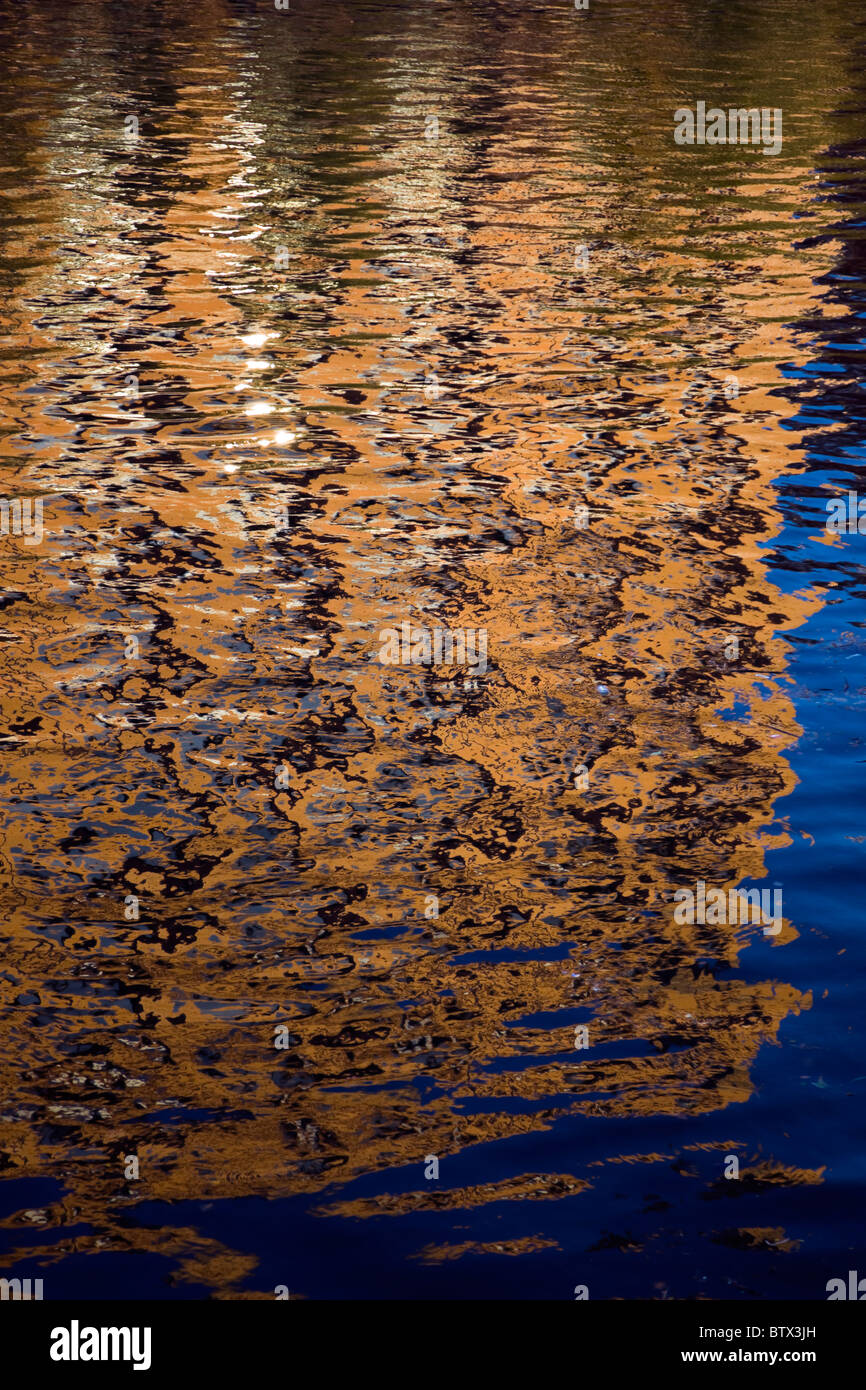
280, 804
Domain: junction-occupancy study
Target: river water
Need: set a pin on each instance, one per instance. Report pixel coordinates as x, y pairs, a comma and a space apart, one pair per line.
324, 321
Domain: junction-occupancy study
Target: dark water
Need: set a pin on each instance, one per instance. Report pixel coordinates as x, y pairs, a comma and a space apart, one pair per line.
293, 366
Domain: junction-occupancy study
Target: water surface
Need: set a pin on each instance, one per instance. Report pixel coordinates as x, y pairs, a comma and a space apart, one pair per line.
376, 301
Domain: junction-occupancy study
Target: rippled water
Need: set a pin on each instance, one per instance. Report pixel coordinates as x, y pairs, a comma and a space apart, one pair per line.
377, 300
